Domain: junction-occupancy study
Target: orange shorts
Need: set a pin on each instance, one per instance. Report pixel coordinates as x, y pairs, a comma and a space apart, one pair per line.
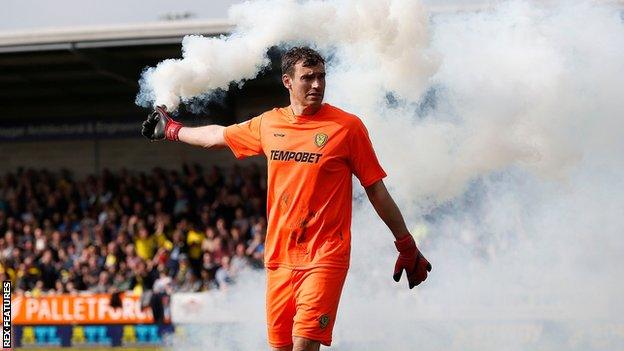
302, 303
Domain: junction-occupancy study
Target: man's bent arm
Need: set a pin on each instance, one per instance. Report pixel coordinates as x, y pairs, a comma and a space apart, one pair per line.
210, 136
387, 209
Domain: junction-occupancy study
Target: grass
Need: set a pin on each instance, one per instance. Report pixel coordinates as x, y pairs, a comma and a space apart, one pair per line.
146, 348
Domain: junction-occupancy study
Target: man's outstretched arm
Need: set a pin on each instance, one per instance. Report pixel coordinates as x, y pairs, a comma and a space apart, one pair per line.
159, 126
210, 136
410, 259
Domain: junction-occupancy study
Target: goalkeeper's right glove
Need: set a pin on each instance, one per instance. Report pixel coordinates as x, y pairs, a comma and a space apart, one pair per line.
159, 125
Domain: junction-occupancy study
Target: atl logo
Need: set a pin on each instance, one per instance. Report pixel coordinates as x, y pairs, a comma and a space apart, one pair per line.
91, 335
41, 335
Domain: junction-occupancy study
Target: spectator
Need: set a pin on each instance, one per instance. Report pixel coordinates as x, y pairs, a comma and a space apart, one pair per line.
103, 284
241, 222
162, 288
49, 273
224, 275
191, 283
145, 244
178, 249
207, 279
194, 240
164, 283
9, 244
240, 260
143, 278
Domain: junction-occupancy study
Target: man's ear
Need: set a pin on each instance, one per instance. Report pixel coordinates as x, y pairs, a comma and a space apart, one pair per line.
286, 81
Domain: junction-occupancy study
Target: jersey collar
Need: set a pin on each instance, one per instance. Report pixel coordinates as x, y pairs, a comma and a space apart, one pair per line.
292, 118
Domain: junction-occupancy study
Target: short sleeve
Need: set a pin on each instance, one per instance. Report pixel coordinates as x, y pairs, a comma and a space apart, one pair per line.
244, 138
364, 162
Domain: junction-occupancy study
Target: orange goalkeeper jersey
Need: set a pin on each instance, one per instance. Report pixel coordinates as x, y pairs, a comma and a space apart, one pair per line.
310, 162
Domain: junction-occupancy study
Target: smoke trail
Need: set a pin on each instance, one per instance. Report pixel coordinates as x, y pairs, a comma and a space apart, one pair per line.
501, 131
354, 28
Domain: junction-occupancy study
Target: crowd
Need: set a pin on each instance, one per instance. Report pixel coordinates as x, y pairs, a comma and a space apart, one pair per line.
163, 231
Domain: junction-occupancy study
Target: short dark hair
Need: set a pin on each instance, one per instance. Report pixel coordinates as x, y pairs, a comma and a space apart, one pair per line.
309, 57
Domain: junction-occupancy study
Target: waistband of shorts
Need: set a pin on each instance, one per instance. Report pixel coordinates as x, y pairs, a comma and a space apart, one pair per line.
306, 267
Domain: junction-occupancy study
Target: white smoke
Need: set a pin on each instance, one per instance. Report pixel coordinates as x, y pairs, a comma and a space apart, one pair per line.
501, 132
353, 28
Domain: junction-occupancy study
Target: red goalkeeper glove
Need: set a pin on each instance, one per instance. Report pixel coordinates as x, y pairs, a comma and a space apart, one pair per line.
415, 264
159, 125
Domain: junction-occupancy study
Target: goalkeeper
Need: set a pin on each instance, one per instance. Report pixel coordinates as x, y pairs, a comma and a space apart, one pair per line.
312, 149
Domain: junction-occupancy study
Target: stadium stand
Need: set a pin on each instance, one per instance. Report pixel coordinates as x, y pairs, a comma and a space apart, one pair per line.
150, 233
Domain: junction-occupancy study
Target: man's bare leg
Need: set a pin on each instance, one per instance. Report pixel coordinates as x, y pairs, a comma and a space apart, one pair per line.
303, 344
300, 344
284, 348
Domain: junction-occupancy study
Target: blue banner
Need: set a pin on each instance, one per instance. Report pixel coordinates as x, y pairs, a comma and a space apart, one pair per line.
91, 335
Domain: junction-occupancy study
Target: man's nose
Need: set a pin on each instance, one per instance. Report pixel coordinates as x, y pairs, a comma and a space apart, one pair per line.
316, 84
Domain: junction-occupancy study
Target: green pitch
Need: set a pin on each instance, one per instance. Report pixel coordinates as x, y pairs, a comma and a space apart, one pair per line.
147, 348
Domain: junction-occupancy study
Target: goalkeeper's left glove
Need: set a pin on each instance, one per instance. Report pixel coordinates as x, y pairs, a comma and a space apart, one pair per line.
415, 264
